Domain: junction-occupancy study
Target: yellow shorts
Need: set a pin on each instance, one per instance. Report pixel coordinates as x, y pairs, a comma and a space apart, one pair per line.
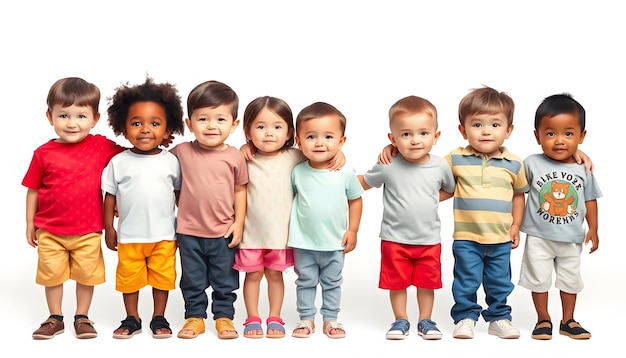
76, 257
151, 264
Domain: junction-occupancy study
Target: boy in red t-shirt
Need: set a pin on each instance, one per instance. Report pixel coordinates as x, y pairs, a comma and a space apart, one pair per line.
64, 210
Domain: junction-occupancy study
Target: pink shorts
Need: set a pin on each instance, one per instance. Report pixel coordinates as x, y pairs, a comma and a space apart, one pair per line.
404, 265
251, 260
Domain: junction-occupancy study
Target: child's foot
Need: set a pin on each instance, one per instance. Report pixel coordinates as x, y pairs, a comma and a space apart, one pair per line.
129, 327
252, 328
332, 329
49, 328
225, 328
304, 329
160, 327
84, 328
399, 329
275, 327
427, 329
192, 327
574, 330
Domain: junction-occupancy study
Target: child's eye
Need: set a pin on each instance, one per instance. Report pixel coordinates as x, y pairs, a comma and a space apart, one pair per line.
64, 116
405, 135
201, 119
569, 134
328, 137
310, 137
477, 125
260, 127
278, 127
550, 134
82, 116
496, 125
155, 124
135, 124
221, 119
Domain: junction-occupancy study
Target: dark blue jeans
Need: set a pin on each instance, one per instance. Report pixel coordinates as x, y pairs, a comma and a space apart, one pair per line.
476, 264
208, 263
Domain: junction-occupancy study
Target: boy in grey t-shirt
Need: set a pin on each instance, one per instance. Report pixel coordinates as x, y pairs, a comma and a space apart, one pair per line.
410, 228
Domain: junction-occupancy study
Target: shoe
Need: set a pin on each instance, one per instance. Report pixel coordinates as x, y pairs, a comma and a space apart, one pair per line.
427, 329
464, 329
84, 328
339, 331
399, 329
542, 333
503, 328
277, 325
252, 327
159, 323
49, 328
225, 328
194, 324
576, 332
304, 324
131, 324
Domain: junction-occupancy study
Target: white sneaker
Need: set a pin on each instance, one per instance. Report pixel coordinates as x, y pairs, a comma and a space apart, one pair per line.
503, 328
464, 329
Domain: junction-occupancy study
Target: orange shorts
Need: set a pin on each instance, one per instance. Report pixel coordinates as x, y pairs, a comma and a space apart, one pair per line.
141, 264
76, 257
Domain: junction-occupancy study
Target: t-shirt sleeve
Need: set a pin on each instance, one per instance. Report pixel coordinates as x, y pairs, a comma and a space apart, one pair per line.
354, 189
374, 176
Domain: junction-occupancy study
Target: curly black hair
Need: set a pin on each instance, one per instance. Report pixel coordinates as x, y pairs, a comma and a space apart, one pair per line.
164, 94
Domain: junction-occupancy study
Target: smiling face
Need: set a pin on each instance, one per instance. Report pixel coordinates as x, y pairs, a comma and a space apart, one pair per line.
414, 135
559, 136
486, 132
212, 125
73, 123
268, 132
146, 127
320, 139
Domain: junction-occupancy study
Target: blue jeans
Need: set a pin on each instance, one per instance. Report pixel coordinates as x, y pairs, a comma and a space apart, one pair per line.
476, 264
208, 263
313, 268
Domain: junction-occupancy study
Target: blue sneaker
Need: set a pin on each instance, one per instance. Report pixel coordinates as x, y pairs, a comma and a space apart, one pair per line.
427, 329
399, 329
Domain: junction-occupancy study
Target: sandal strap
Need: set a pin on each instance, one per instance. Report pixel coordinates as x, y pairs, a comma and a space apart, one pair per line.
251, 320
274, 319
131, 324
159, 322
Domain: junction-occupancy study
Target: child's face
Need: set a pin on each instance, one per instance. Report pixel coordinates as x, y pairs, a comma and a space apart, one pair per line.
72, 124
146, 127
486, 132
320, 139
559, 136
414, 136
268, 132
212, 125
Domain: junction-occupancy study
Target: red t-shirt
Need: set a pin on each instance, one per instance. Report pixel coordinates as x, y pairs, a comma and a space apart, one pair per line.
67, 178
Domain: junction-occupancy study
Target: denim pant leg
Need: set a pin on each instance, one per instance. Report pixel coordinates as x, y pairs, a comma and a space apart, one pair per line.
468, 275
331, 279
307, 269
223, 278
194, 277
497, 282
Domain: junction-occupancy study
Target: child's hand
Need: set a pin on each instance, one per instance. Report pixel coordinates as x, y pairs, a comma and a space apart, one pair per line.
337, 162
31, 238
236, 233
388, 152
514, 232
592, 236
349, 241
110, 238
582, 158
248, 151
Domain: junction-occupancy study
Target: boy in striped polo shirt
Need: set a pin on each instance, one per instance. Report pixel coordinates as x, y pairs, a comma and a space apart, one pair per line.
488, 210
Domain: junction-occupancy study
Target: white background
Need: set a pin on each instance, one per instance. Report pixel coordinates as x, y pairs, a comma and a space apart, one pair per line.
361, 57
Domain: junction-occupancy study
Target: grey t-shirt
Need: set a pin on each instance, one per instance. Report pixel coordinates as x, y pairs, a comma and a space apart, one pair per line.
555, 205
411, 198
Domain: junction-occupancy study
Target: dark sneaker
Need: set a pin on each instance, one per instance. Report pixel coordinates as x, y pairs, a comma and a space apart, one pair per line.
575, 332
84, 328
49, 328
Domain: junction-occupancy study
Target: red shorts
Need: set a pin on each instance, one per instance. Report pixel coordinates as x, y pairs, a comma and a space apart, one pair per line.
404, 265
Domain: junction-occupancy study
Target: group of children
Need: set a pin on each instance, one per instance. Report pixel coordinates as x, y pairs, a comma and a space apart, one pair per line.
269, 206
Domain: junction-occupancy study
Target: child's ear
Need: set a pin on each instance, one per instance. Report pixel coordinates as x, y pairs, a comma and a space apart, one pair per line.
96, 118
392, 139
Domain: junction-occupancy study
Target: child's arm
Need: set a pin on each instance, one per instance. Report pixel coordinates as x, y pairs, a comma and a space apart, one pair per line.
388, 152
363, 183
355, 208
592, 222
582, 158
110, 234
31, 209
240, 213
248, 151
444, 195
518, 214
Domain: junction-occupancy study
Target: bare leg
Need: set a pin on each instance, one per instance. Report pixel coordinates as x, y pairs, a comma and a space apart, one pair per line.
251, 289
84, 295
54, 299
131, 303
425, 302
540, 300
568, 304
160, 302
398, 303
275, 294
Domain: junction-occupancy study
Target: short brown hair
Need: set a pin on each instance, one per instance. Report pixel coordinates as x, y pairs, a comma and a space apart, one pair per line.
320, 109
212, 94
411, 105
486, 100
73, 90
